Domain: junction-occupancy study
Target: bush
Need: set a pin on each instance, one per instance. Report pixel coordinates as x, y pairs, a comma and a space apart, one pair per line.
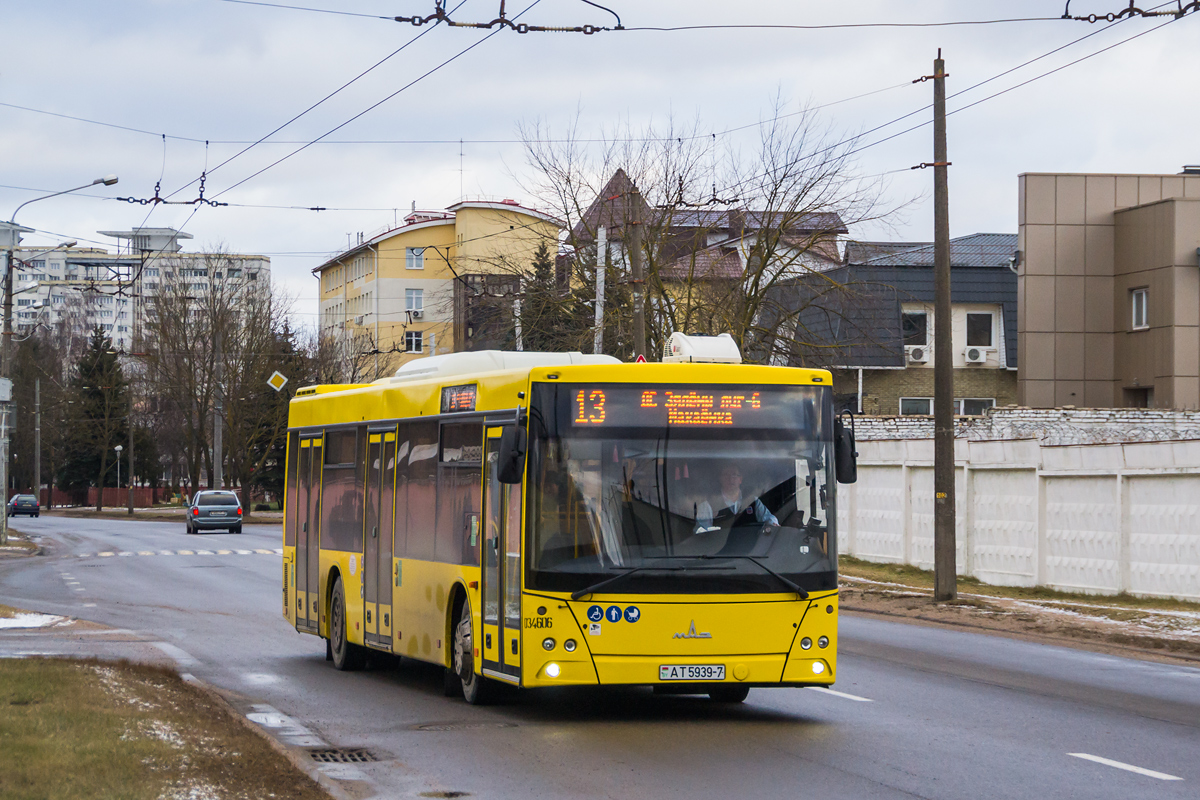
262, 506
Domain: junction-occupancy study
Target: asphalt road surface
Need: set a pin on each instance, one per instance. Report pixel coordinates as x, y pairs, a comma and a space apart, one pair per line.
917, 711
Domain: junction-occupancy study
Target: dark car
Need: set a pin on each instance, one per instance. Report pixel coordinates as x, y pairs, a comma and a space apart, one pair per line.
214, 509
24, 504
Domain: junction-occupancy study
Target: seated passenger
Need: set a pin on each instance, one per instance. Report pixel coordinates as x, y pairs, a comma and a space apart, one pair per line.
732, 507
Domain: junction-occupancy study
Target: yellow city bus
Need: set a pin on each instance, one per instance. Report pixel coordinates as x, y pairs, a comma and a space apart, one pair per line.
550, 519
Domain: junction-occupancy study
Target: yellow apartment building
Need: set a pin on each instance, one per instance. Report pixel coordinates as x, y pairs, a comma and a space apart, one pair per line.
442, 282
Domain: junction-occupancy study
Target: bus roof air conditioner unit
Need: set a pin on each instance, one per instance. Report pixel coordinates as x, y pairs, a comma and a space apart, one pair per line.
918, 354
720, 349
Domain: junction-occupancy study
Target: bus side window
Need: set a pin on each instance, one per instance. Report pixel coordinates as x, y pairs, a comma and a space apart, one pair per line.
460, 475
341, 499
403, 449
289, 502
422, 490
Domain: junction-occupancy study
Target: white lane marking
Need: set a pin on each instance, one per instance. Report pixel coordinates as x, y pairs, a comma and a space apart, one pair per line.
260, 678
1162, 776
843, 695
277, 551
145, 552
265, 552
105, 555
224, 552
204, 552
166, 552
74, 583
181, 656
185, 553
89, 605
125, 553
244, 552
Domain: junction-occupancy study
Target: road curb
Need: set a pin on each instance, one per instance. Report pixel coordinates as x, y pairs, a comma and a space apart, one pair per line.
331, 786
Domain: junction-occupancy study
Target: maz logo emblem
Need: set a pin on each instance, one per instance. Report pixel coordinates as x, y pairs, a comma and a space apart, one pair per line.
691, 634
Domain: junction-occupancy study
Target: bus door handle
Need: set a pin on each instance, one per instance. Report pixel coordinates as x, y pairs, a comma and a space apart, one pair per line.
374, 531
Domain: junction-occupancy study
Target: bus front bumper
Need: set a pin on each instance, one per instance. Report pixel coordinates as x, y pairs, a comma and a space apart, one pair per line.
756, 670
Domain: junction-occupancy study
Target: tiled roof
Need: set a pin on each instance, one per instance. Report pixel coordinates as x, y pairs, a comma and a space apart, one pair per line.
707, 264
976, 250
860, 252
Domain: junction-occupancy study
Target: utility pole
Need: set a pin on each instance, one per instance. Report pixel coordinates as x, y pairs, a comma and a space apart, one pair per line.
636, 278
601, 268
37, 439
218, 422
945, 576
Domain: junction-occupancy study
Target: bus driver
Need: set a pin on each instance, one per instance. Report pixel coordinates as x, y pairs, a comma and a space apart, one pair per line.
733, 508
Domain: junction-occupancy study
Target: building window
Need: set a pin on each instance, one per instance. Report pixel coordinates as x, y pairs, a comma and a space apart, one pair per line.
973, 406
414, 258
916, 406
979, 330
414, 299
412, 341
1139, 299
915, 327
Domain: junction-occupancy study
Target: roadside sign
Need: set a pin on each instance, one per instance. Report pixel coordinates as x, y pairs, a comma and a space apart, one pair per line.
5, 390
277, 380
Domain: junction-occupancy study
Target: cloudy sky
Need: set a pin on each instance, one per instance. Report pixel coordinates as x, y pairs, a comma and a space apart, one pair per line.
230, 73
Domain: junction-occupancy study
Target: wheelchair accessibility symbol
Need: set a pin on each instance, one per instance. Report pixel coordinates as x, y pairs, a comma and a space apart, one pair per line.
595, 613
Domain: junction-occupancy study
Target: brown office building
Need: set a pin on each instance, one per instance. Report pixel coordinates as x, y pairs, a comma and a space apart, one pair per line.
1109, 290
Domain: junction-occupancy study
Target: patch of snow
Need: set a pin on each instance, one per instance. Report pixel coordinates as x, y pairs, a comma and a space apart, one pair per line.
31, 620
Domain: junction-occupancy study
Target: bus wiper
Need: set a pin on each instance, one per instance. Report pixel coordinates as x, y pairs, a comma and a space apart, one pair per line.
793, 586
596, 586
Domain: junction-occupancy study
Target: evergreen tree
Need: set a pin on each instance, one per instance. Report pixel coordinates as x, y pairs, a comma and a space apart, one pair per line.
99, 395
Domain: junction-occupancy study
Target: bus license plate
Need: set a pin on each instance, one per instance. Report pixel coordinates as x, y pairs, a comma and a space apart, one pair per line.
691, 672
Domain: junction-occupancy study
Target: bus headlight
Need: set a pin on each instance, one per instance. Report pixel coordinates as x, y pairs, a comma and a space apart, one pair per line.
806, 643
569, 645
548, 643
552, 670
818, 667
823, 642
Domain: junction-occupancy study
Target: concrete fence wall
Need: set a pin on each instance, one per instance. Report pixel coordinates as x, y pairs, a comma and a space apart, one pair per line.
1100, 519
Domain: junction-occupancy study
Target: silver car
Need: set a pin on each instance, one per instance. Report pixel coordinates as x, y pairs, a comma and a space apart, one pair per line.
214, 509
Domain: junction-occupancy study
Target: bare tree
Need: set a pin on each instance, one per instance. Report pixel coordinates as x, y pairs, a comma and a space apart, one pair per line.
723, 232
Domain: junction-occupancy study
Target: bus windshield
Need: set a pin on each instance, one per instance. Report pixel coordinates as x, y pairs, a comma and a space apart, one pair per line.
696, 489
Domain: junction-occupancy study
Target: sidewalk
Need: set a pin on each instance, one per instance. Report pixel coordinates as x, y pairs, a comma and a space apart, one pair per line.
1143, 627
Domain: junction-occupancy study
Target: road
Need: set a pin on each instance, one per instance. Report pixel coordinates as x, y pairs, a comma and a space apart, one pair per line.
917, 711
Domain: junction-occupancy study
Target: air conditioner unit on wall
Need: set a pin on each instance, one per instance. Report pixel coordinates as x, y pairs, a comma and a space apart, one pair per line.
417, 313
975, 355
358, 320
917, 354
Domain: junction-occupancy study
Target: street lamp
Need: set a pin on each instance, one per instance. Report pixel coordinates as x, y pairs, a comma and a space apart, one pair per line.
118, 448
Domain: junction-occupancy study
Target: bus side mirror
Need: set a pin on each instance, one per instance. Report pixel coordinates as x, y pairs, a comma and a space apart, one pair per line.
845, 456
510, 465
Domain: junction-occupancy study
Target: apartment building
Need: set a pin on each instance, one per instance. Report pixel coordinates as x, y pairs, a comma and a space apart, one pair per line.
94, 286
1109, 289
444, 281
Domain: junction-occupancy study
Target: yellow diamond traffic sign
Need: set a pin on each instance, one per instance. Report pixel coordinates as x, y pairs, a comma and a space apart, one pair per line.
277, 381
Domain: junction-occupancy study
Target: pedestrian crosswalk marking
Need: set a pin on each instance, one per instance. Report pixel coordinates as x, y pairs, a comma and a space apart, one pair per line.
109, 553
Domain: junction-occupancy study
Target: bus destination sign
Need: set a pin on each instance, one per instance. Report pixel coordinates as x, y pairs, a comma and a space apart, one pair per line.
694, 407
458, 398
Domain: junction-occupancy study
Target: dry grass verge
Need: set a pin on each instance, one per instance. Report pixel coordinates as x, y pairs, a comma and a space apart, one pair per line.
84, 728
1155, 625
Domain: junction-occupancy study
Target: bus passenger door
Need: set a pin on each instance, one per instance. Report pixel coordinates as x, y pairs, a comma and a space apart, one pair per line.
371, 534
501, 572
307, 514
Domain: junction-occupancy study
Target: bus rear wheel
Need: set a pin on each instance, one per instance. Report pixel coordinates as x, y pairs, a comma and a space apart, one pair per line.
475, 687
729, 694
346, 656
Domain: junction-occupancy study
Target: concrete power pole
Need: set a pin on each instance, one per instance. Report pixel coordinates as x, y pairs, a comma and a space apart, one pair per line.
944, 546
601, 268
218, 423
634, 244
37, 439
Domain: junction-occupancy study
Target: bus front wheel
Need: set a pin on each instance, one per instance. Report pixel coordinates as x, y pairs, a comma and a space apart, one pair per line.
475, 687
346, 656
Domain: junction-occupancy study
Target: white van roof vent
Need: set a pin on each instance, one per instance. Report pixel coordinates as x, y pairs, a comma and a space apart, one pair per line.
701, 349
